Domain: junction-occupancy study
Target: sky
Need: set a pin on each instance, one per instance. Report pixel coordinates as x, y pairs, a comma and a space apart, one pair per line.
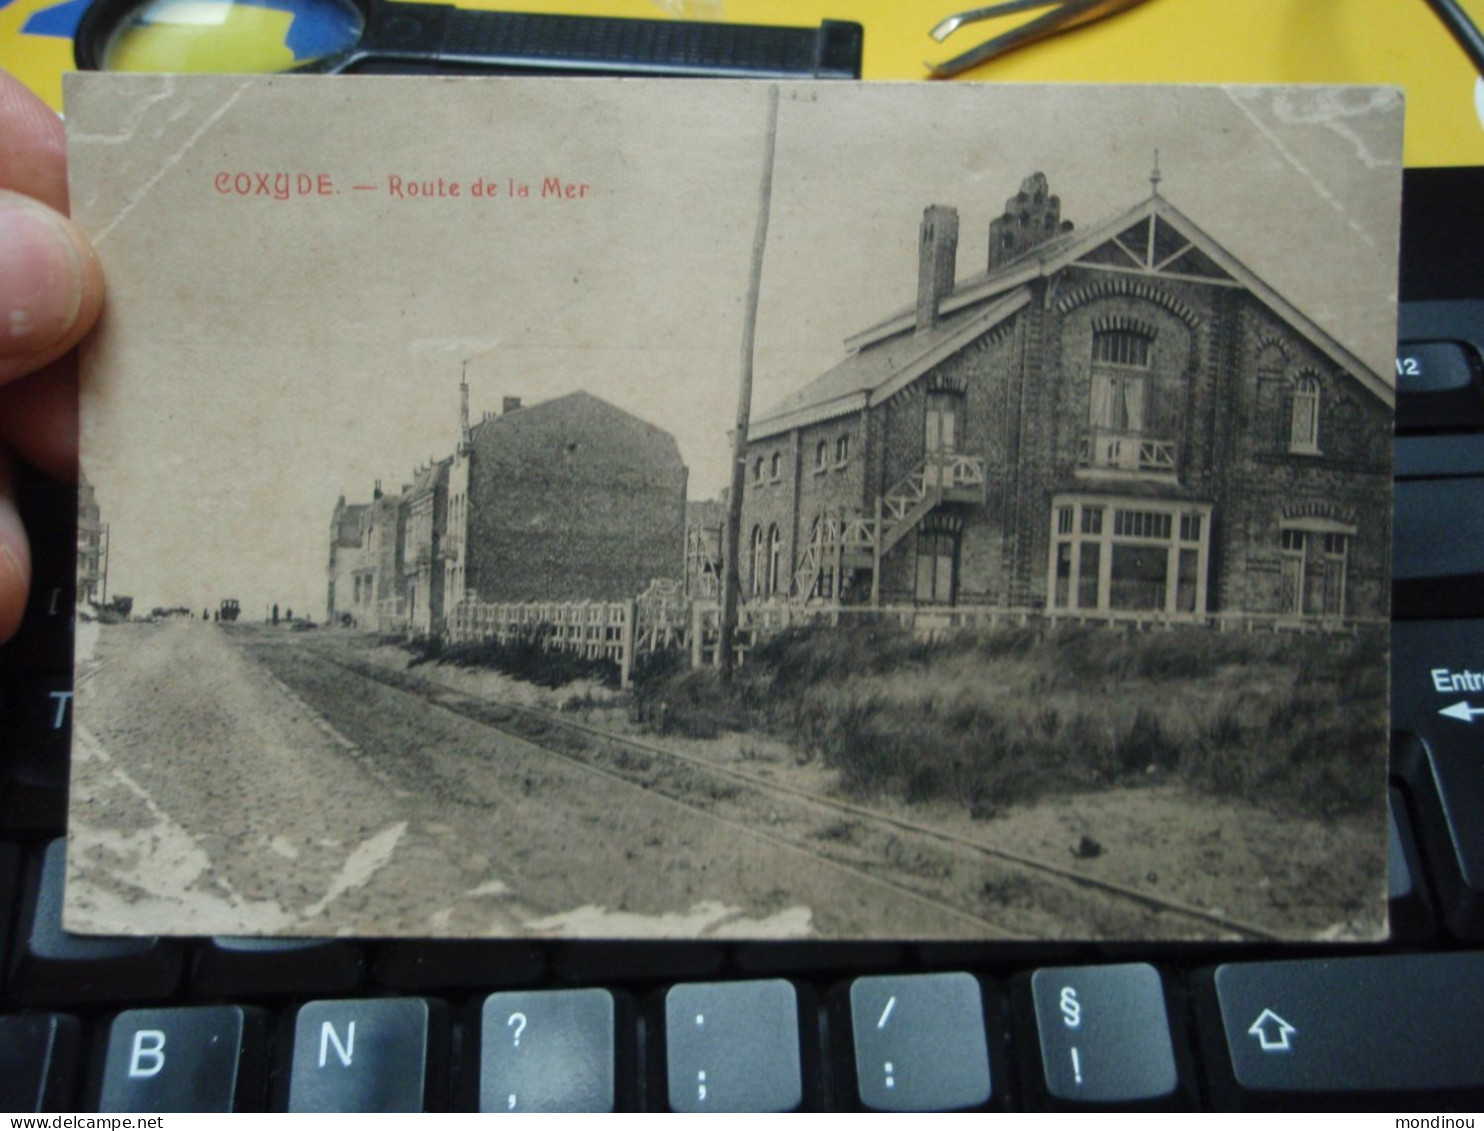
265, 352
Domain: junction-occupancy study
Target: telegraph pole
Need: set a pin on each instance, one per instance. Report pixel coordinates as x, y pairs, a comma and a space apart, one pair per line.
731, 583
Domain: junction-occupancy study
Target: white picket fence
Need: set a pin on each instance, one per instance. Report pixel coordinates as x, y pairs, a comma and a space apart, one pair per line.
662, 619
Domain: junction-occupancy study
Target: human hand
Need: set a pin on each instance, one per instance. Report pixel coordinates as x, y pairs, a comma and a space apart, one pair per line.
51, 289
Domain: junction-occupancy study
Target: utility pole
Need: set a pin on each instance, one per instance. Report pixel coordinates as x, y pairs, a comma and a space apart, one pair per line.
731, 582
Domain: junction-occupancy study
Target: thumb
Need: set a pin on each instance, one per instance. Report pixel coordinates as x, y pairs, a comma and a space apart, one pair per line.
51, 287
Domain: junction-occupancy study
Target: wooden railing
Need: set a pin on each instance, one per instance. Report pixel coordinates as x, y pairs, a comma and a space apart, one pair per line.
664, 620
1129, 451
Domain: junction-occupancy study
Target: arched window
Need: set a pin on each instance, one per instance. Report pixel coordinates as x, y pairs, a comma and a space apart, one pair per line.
757, 470
775, 468
1303, 431
759, 565
821, 455
775, 558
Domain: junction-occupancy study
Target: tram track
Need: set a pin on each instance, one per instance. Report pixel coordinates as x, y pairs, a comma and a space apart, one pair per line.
1006, 894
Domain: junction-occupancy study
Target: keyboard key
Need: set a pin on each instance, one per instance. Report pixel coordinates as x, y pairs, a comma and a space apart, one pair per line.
368, 1055
1379, 1030
198, 1059
1439, 457
38, 1062
1407, 904
1439, 385
548, 1051
236, 967
49, 965
1437, 702
38, 728
1103, 1034
733, 1046
918, 1043
1439, 528
43, 643
10, 866
35, 734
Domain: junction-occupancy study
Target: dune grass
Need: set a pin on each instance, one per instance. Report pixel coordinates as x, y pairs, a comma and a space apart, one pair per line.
991, 719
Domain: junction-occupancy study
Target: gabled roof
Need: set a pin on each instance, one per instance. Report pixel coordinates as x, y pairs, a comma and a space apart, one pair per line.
872, 375
574, 410
429, 478
1174, 246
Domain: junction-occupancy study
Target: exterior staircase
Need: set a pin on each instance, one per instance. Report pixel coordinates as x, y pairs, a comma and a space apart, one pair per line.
941, 477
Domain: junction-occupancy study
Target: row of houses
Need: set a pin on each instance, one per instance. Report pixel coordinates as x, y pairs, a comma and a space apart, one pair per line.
572, 499
1118, 420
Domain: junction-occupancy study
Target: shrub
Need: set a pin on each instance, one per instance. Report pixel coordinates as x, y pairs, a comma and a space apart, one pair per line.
989, 719
528, 656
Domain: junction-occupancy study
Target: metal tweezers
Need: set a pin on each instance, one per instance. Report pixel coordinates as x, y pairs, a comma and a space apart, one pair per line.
1067, 14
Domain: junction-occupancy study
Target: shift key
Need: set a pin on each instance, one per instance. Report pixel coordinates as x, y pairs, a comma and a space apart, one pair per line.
1437, 715
1317, 1032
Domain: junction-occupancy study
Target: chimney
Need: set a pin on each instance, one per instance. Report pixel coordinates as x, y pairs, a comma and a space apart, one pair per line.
937, 250
1032, 216
509, 405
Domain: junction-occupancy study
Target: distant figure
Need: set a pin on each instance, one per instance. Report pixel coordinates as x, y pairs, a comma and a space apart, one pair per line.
288, 614
275, 612
216, 616
206, 613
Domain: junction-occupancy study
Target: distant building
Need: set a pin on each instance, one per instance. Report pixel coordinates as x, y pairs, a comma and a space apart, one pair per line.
426, 501
1124, 419
366, 568
347, 554
91, 545
568, 500
383, 580
704, 524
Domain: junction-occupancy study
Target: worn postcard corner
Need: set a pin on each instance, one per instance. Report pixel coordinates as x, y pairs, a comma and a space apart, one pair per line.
1051, 427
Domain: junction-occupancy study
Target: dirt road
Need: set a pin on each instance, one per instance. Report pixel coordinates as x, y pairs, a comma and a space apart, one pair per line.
229, 782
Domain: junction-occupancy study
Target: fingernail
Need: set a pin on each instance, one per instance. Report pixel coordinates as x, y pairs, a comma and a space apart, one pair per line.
40, 277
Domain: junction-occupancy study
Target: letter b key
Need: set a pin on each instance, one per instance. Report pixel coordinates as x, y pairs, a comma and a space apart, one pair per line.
207, 1058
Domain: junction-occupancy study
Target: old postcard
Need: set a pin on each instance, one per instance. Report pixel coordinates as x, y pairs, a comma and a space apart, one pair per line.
1052, 424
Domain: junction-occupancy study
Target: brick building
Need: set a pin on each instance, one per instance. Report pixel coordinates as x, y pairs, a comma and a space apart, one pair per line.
568, 500
1124, 418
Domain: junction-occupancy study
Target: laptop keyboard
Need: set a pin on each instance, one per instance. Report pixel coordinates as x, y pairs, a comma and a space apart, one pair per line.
222, 1024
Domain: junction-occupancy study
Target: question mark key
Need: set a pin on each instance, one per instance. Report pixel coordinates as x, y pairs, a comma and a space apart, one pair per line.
548, 1050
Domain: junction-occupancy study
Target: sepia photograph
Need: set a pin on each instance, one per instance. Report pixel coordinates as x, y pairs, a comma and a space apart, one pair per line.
630, 509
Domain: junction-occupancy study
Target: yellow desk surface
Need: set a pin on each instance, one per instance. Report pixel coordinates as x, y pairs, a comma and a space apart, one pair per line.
1399, 42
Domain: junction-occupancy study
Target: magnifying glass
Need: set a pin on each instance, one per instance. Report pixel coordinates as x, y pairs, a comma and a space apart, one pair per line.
390, 37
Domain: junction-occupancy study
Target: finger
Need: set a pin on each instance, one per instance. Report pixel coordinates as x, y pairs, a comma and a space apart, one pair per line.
51, 287
33, 153
15, 555
38, 419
